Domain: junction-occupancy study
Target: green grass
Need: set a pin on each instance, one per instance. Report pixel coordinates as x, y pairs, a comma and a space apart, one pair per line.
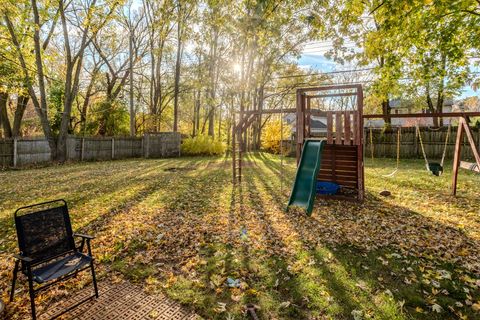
185, 232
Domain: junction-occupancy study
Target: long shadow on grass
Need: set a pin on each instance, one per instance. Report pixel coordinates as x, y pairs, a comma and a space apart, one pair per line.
95, 188
386, 223
306, 287
177, 205
412, 175
147, 184
285, 174
282, 285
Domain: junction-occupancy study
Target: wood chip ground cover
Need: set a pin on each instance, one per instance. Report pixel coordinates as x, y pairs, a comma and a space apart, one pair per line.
191, 235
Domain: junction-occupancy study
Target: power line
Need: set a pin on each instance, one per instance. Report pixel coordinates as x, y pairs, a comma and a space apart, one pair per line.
323, 73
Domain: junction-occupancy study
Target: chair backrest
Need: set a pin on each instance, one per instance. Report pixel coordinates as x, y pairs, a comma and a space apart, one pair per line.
44, 230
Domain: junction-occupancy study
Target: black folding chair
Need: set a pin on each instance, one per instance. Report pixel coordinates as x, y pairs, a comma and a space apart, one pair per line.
48, 253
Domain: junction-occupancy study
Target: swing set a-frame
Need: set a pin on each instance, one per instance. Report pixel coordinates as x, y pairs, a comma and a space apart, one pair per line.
463, 128
457, 163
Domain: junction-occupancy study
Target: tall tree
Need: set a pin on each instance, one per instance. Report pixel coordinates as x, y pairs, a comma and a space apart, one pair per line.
86, 17
184, 13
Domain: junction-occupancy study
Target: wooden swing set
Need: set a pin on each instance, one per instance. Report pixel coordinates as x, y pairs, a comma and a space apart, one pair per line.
342, 160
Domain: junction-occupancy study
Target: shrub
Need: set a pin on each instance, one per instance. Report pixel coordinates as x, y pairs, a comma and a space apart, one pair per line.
271, 136
202, 145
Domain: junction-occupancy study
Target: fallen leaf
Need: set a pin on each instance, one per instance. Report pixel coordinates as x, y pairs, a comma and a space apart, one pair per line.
437, 308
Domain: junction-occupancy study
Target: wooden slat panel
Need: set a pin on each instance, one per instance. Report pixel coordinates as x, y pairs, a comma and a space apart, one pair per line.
346, 118
346, 158
355, 129
350, 159
344, 165
329, 155
339, 147
341, 180
340, 152
329, 127
308, 120
339, 177
348, 162
338, 127
349, 171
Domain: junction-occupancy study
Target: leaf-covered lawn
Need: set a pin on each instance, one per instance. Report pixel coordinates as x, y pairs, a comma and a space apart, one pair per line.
178, 226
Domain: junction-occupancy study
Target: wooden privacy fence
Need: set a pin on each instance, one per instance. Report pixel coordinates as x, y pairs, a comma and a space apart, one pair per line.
25, 151
385, 143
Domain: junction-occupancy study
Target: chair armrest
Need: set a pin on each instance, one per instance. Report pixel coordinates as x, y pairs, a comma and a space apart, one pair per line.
22, 258
84, 236
82, 245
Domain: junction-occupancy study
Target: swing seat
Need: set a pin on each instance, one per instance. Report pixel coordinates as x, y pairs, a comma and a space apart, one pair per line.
435, 168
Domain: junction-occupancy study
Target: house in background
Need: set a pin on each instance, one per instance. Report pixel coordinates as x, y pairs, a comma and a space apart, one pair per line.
318, 125
399, 106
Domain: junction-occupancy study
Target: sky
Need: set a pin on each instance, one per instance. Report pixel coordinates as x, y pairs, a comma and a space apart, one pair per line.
313, 57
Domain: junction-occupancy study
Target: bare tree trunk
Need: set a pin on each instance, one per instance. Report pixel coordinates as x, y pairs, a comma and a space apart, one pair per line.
258, 122
386, 110
40, 105
4, 121
22, 102
196, 112
441, 91
212, 89
177, 69
74, 64
132, 107
219, 124
430, 105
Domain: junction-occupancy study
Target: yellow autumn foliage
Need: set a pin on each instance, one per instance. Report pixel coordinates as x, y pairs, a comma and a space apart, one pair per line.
202, 145
272, 134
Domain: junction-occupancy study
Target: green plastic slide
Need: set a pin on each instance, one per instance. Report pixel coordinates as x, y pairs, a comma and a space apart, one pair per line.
304, 188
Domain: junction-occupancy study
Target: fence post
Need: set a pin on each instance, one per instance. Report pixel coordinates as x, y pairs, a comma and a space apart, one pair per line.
82, 149
179, 144
415, 142
15, 152
147, 145
113, 148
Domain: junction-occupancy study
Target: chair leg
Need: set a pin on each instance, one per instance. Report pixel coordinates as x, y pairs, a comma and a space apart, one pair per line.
94, 279
15, 272
31, 292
